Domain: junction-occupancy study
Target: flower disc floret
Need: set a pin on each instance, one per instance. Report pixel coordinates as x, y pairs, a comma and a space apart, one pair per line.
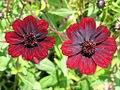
88, 47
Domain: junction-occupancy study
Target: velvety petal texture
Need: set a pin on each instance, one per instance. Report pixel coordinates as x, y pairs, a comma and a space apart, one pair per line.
70, 48
13, 38
15, 50
88, 46
29, 39
87, 65
88, 26
48, 42
18, 27
74, 61
75, 33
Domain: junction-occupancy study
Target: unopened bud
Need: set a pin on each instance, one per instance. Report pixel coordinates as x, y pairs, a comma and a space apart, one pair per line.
101, 3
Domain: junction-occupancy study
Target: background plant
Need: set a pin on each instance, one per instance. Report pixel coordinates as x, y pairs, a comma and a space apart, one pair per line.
52, 72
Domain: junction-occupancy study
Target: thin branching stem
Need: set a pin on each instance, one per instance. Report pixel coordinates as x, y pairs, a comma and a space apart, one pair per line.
21, 11
75, 83
54, 30
53, 26
7, 11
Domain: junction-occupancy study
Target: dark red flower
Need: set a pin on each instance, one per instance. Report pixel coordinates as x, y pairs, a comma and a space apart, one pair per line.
88, 46
29, 39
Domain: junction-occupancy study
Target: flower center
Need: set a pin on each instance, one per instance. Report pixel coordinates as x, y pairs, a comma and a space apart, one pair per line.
88, 47
30, 39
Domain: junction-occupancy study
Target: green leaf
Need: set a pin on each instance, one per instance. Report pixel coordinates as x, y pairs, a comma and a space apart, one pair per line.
85, 85
63, 65
14, 71
3, 45
48, 81
29, 80
57, 47
73, 75
63, 11
55, 3
4, 62
43, 5
46, 65
117, 80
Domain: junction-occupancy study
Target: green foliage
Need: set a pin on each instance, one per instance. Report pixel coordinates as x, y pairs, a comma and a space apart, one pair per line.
52, 72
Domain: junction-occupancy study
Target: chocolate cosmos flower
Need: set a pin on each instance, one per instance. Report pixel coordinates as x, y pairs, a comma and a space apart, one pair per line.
88, 46
29, 39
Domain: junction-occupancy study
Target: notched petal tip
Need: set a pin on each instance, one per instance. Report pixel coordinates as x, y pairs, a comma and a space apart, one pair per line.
43, 24
88, 21
29, 18
18, 27
87, 66
12, 38
101, 34
74, 32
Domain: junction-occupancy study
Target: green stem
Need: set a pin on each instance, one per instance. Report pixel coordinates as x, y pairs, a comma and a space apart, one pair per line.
75, 83
54, 27
54, 30
16, 75
21, 11
7, 11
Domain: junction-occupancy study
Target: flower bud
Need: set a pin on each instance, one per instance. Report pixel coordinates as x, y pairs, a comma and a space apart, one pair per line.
100, 3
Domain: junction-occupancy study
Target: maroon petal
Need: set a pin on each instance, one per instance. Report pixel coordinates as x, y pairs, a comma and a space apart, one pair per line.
29, 24
89, 25
28, 54
102, 58
18, 27
40, 52
15, 50
101, 34
70, 48
73, 61
75, 33
41, 30
35, 60
13, 38
42, 24
48, 42
108, 45
87, 65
